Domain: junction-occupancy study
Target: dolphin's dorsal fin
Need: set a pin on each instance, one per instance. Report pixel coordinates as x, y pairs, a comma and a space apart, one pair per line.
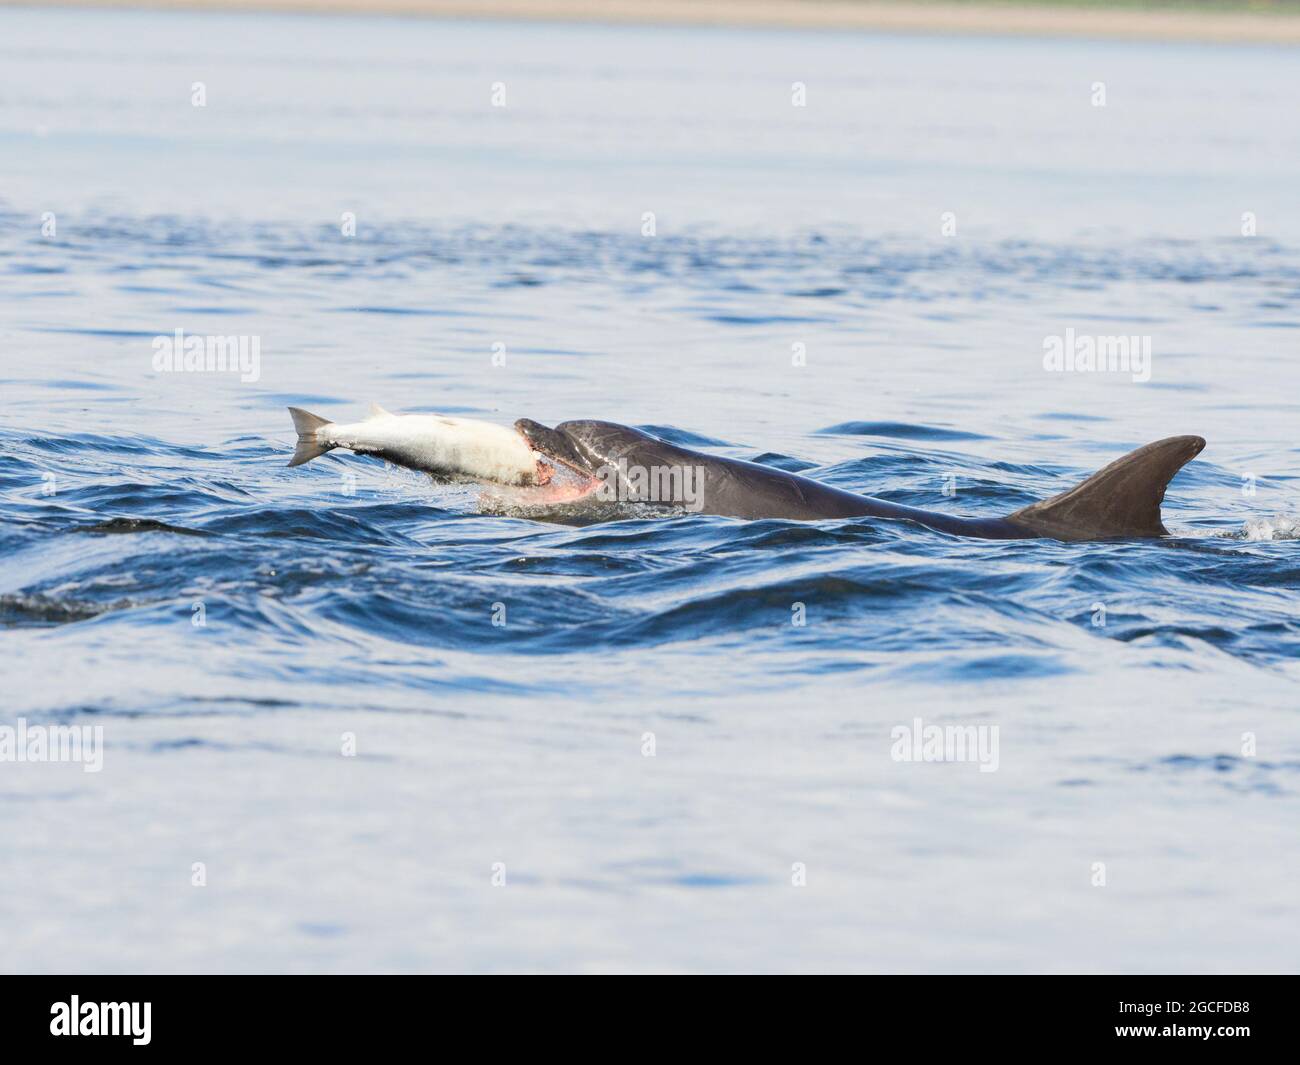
1121, 500
376, 411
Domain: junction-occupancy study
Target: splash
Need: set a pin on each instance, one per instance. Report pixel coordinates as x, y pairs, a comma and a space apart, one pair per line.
563, 488
1277, 527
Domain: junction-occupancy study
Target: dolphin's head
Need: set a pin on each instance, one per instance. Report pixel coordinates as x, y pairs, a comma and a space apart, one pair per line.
585, 447
618, 464
554, 444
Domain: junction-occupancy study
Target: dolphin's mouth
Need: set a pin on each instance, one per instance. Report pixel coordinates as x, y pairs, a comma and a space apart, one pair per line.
553, 445
538, 439
567, 478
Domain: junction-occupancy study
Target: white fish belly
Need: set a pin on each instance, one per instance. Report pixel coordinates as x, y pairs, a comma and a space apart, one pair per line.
434, 444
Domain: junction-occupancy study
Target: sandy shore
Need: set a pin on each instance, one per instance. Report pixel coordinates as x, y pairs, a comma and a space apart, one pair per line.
897, 16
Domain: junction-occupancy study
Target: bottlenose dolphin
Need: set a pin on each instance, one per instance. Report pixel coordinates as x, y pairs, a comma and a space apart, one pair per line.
1122, 500
605, 460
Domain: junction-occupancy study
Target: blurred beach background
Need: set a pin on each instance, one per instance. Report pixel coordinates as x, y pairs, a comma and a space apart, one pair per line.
1271, 21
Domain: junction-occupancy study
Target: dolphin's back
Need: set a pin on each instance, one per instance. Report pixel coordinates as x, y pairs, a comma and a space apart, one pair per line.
1121, 500
741, 489
735, 488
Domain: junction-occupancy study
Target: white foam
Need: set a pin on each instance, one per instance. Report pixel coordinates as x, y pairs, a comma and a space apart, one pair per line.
1277, 527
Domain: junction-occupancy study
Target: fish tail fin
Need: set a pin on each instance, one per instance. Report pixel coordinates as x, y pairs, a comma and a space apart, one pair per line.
308, 445
1121, 500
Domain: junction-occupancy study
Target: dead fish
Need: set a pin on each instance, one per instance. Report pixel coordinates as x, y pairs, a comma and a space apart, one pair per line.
431, 443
